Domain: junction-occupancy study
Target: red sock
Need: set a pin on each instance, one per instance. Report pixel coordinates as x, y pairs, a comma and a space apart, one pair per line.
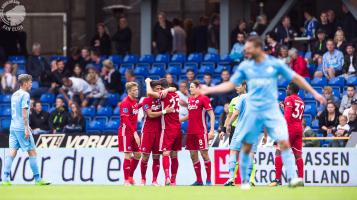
133, 164
126, 166
208, 170
174, 168
300, 167
197, 167
278, 167
155, 169
143, 168
166, 166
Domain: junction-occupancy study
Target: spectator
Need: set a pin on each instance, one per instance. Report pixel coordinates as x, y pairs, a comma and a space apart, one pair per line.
325, 25
76, 122
352, 122
179, 37
59, 117
190, 74
207, 80
261, 24
122, 38
342, 131
340, 41
8, 79
285, 33
74, 90
188, 27
37, 66
237, 52
111, 78
328, 120
58, 74
298, 63
349, 23
183, 95
310, 25
170, 81
350, 62
319, 46
98, 93
332, 62
226, 97
162, 37
77, 71
347, 99
200, 43
332, 20
213, 34
85, 57
273, 45
95, 60
327, 93
284, 54
74, 59
308, 132
39, 120
240, 28
222, 117
101, 41
130, 77
352, 108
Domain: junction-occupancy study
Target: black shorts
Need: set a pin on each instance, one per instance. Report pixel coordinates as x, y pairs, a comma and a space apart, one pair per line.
231, 134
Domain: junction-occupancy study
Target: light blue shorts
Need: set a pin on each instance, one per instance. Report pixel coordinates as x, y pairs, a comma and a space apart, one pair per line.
237, 145
17, 140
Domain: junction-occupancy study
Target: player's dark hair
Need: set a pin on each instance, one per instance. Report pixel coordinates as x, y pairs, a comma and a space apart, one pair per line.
257, 41
293, 88
164, 83
273, 35
196, 83
154, 83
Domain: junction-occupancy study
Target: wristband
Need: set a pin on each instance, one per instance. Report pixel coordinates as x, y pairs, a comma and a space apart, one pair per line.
163, 112
224, 129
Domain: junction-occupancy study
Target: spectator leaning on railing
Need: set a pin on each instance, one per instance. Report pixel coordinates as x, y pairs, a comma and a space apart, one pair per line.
347, 98
74, 90
59, 117
39, 119
285, 33
98, 93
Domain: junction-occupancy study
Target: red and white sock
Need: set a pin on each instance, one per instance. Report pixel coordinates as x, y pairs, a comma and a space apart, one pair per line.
174, 168
143, 168
155, 169
208, 170
126, 166
166, 166
300, 167
133, 164
278, 167
197, 167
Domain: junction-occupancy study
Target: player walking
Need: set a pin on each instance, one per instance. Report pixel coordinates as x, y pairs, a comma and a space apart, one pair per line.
20, 131
151, 132
293, 113
170, 140
197, 133
261, 74
128, 138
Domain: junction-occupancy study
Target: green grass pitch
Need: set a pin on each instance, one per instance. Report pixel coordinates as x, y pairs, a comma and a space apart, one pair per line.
76, 192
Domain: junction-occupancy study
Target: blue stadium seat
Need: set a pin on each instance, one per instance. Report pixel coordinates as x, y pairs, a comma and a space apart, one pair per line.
301, 94
336, 92
157, 69
116, 59
211, 57
174, 69
315, 124
17, 59
318, 89
6, 112
130, 58
312, 68
154, 77
309, 97
124, 67
95, 126
112, 125
218, 110
308, 120
20, 71
88, 111
59, 57
116, 111
147, 58
216, 81
122, 97
35, 84
206, 68
5, 123
216, 125
101, 119
112, 99
105, 111
5, 98
225, 58
337, 82
307, 79
46, 107
48, 98
184, 126
162, 58
221, 67
178, 57
352, 81
281, 95
319, 82
142, 69
194, 57
282, 83
190, 65
115, 118
310, 109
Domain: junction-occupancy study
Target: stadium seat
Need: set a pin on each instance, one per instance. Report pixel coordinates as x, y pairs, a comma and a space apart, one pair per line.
162, 58
95, 126
124, 67
116, 111
190, 65
336, 92
88, 111
5, 98
282, 83
59, 57
194, 57
310, 109
6, 112
211, 57
301, 94
337, 82
17, 59
218, 110
319, 82
115, 118
112, 99
46, 107
130, 58
35, 85
47, 98
281, 95
148, 58
116, 59
122, 97
101, 119
216, 81
221, 67
184, 126
174, 69
308, 120
315, 124
307, 79
225, 58
5, 123
178, 57
104, 111
142, 69
352, 81
154, 77
206, 68
312, 68
216, 125
20, 71
157, 69
112, 126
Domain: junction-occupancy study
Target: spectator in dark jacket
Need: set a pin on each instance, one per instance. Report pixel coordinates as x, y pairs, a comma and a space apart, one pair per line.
122, 38
349, 23
85, 57
188, 26
240, 28
340, 41
319, 46
76, 121
261, 24
285, 33
162, 37
39, 119
101, 41
111, 78
37, 66
59, 117
273, 45
226, 97
75, 58
328, 120
352, 117
77, 71
213, 34
200, 43
350, 64
57, 75
96, 61
325, 25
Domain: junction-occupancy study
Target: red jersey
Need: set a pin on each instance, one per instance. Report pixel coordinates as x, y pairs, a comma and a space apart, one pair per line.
293, 112
197, 107
128, 116
171, 120
151, 124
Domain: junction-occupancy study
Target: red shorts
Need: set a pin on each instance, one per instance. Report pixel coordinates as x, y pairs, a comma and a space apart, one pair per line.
150, 142
195, 142
171, 140
295, 139
127, 143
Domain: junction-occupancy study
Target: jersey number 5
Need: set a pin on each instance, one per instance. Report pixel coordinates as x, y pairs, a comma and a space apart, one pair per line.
299, 111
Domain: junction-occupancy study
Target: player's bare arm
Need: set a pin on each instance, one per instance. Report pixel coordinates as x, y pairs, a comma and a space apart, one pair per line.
212, 121
152, 114
232, 118
302, 83
26, 122
221, 88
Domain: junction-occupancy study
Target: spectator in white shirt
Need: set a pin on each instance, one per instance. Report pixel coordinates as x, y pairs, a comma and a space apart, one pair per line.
98, 93
183, 94
8, 79
75, 90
